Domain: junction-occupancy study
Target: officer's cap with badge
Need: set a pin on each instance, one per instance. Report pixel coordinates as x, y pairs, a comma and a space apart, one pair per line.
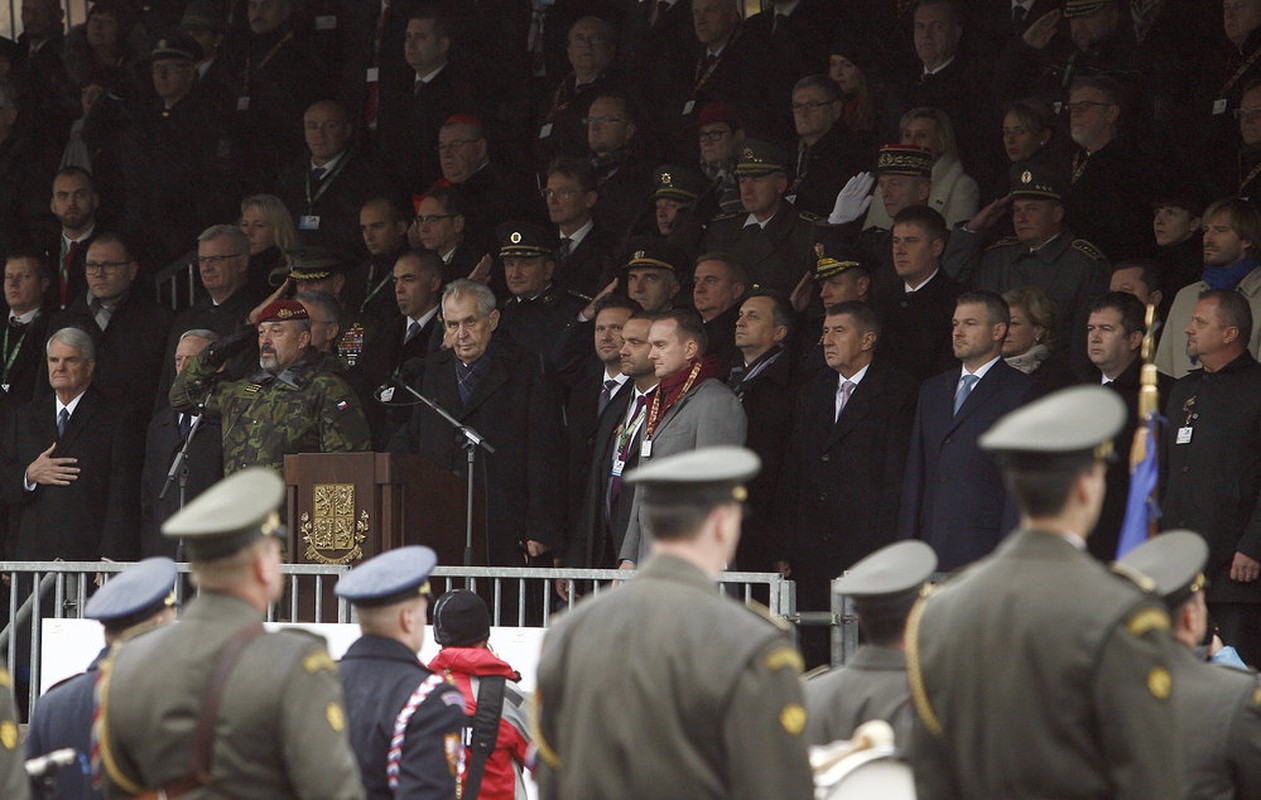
1174, 561
678, 183
283, 311
311, 263
833, 254
176, 47
136, 594
757, 158
524, 240
1068, 429
700, 479
229, 516
391, 577
204, 15
905, 159
1083, 8
1036, 182
652, 252
460, 619
889, 580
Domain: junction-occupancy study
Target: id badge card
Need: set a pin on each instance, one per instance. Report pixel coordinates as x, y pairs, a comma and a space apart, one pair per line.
1219, 106
374, 74
1184, 435
618, 466
645, 449
688, 107
243, 103
545, 131
309, 222
326, 22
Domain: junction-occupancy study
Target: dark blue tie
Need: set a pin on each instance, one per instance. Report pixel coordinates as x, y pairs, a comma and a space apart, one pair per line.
62, 418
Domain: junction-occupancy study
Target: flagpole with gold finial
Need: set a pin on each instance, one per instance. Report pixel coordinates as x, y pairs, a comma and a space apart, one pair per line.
1148, 400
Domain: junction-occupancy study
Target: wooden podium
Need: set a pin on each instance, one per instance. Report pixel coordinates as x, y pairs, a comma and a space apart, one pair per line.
345, 507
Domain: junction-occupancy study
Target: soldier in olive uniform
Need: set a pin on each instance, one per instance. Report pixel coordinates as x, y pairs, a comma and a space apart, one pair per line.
873, 685
1035, 672
536, 310
667, 688
289, 406
388, 689
215, 705
13, 784
771, 236
1219, 707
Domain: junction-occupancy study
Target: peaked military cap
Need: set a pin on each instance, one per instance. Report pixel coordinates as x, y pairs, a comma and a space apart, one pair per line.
905, 159
1083, 8
678, 183
1080, 419
460, 619
204, 15
832, 254
138, 592
1174, 561
176, 46
310, 263
283, 311
892, 570
391, 577
525, 239
706, 476
654, 252
1036, 182
757, 157
230, 515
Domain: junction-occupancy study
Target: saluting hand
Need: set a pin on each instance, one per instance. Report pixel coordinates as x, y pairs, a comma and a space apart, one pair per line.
986, 217
589, 312
802, 293
46, 470
481, 272
1042, 30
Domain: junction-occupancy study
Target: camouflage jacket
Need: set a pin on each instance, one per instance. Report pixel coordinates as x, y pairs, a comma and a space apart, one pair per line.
307, 408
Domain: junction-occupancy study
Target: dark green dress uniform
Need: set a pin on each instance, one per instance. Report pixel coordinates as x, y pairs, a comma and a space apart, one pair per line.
872, 685
777, 255
665, 688
1219, 709
304, 409
13, 783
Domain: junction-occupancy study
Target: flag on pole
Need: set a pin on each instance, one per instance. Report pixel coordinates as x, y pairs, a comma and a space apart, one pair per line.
1141, 507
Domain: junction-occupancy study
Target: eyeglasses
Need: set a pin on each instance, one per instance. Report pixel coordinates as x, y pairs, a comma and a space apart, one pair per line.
600, 122
713, 136
1085, 105
810, 106
430, 219
1249, 113
563, 194
104, 266
458, 144
215, 259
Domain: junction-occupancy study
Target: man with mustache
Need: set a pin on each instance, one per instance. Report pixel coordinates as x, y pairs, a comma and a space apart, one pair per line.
290, 405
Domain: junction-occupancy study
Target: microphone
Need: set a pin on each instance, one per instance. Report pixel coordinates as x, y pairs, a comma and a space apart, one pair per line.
49, 763
403, 376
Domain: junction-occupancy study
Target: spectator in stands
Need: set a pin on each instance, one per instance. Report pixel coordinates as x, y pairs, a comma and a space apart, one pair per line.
652, 278
128, 327
1246, 182
623, 175
953, 194
75, 202
1028, 127
721, 135
168, 431
592, 52
953, 497
854, 69
74, 459
1234, 67
1030, 343
719, 283
586, 244
775, 236
796, 36
537, 309
1232, 234
493, 193
383, 227
205, 21
27, 165
270, 230
325, 191
841, 274
26, 281
1141, 279
440, 225
828, 153
1177, 226
682, 204
39, 70
105, 42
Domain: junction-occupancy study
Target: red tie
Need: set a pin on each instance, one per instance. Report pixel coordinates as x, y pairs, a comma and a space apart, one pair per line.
65, 270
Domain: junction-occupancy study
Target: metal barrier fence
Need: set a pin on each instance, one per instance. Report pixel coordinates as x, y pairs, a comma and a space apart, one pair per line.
64, 587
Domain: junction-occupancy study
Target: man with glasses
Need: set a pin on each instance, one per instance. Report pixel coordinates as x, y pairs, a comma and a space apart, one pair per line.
828, 153
623, 177
440, 225
591, 51
585, 246
128, 327
494, 193
720, 134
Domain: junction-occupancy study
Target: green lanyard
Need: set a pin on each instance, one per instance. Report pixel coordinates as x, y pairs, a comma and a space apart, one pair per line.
11, 355
325, 182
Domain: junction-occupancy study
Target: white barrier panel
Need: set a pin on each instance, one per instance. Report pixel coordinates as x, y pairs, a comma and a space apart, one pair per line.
68, 645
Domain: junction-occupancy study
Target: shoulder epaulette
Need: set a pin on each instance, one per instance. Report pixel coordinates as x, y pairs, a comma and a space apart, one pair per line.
1089, 249
1006, 241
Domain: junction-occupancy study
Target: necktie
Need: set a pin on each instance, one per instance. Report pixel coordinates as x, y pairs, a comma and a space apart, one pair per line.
17, 325
842, 397
965, 389
63, 417
1018, 14
186, 426
71, 252
466, 379
606, 394
413, 331
563, 252
317, 174
663, 8
780, 19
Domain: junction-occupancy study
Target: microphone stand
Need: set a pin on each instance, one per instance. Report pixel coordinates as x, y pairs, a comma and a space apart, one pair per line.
472, 441
179, 468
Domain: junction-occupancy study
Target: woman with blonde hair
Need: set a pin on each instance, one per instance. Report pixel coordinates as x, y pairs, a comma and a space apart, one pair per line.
270, 229
1030, 345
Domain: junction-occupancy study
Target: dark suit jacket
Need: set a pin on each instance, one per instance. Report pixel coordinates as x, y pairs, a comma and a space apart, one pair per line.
205, 466
843, 478
586, 271
349, 186
97, 514
385, 354
916, 334
27, 364
764, 400
953, 495
582, 425
516, 406
407, 137
590, 538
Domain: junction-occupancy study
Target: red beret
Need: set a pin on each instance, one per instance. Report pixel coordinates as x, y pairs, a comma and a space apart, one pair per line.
718, 111
283, 311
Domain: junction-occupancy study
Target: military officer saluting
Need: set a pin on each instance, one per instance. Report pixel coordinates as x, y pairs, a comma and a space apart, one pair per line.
873, 685
1035, 672
667, 688
406, 722
771, 236
290, 405
1219, 707
215, 706
139, 599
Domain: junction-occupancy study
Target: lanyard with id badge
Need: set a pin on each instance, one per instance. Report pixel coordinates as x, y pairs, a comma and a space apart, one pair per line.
625, 434
1184, 433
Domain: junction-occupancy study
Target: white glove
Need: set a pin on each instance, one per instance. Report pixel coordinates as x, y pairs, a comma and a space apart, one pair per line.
853, 200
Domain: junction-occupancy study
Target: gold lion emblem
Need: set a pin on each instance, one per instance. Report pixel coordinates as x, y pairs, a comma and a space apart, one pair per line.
1026, 176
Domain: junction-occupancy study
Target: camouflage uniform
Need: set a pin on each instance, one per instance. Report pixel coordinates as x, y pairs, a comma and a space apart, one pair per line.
307, 408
